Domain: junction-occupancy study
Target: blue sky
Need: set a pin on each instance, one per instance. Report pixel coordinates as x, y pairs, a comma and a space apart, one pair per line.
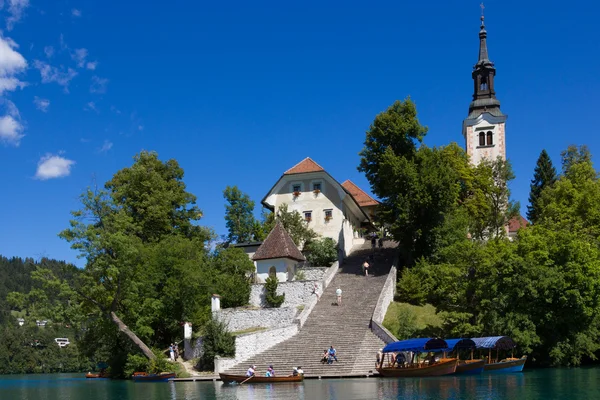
238, 92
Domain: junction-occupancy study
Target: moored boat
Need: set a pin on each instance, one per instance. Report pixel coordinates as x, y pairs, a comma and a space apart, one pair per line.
261, 379
100, 375
470, 367
417, 368
507, 365
498, 343
145, 377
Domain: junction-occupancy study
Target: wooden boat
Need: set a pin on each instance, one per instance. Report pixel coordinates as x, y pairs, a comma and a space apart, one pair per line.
466, 367
498, 343
445, 367
100, 375
470, 367
261, 379
144, 377
507, 365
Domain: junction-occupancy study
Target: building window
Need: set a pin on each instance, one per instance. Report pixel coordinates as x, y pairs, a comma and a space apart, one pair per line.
317, 187
481, 139
484, 85
296, 188
490, 138
307, 216
328, 215
273, 272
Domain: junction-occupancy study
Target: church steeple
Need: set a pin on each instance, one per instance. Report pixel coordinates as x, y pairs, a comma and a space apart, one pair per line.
484, 72
484, 128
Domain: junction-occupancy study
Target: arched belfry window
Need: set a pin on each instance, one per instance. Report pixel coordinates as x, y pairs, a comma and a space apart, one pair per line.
481, 139
484, 83
490, 138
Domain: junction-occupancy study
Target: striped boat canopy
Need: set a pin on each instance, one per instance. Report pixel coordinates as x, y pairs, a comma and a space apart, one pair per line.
460, 344
495, 342
418, 345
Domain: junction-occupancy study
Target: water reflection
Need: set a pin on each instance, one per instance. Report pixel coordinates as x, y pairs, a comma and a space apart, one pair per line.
541, 384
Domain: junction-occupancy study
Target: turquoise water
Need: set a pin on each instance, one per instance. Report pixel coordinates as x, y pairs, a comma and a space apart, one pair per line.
582, 383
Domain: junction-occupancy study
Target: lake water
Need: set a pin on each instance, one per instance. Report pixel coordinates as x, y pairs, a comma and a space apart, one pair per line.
580, 383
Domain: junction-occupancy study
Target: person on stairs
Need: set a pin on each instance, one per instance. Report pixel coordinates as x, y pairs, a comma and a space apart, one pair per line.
338, 293
332, 353
365, 268
324, 357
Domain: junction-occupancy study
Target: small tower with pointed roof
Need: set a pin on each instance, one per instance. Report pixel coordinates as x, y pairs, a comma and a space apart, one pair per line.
277, 256
484, 127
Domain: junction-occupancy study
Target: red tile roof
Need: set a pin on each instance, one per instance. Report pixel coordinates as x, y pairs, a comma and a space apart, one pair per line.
278, 244
304, 166
517, 223
361, 197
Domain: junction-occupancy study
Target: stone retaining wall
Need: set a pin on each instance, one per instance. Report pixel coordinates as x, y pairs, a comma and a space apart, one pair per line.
385, 299
251, 344
238, 319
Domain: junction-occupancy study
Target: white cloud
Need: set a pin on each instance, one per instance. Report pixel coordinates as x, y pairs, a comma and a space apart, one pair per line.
105, 147
10, 130
10, 84
79, 56
49, 51
91, 106
53, 166
91, 65
41, 104
98, 85
11, 61
55, 74
76, 13
16, 9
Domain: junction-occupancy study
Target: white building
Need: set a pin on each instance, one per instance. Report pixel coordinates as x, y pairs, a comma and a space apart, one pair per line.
329, 207
277, 256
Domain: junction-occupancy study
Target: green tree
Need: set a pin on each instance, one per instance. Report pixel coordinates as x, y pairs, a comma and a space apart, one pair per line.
239, 216
271, 297
294, 224
321, 252
417, 185
232, 276
119, 231
544, 175
216, 341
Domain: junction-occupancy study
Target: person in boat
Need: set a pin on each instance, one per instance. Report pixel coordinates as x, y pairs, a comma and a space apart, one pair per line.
270, 372
324, 357
300, 371
430, 358
400, 360
332, 355
251, 371
379, 357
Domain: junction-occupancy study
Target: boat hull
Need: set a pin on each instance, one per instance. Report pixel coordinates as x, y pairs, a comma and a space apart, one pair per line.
95, 376
261, 379
141, 377
509, 365
442, 368
470, 367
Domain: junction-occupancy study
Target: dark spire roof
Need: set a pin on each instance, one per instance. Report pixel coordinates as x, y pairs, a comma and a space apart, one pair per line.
484, 73
278, 244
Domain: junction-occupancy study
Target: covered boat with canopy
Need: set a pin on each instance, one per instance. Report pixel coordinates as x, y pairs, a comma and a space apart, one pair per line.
467, 366
499, 343
404, 358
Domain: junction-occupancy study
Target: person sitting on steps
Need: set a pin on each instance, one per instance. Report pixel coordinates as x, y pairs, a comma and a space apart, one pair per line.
365, 268
324, 357
332, 355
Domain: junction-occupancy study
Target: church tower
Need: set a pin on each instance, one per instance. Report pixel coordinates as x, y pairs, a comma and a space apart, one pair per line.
484, 128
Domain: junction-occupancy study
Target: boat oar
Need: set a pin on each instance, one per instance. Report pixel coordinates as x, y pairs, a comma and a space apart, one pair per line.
246, 380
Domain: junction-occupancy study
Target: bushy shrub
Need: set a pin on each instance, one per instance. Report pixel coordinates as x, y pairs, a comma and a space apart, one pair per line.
321, 252
271, 296
216, 341
140, 363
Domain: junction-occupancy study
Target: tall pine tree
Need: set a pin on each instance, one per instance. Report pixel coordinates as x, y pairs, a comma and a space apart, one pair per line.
544, 175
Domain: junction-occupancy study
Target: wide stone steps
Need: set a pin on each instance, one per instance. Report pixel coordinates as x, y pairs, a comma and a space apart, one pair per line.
345, 327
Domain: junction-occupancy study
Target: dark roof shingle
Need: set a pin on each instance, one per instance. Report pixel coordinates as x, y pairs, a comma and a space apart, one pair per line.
278, 244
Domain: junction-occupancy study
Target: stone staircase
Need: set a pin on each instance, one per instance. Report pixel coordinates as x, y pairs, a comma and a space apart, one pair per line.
345, 327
